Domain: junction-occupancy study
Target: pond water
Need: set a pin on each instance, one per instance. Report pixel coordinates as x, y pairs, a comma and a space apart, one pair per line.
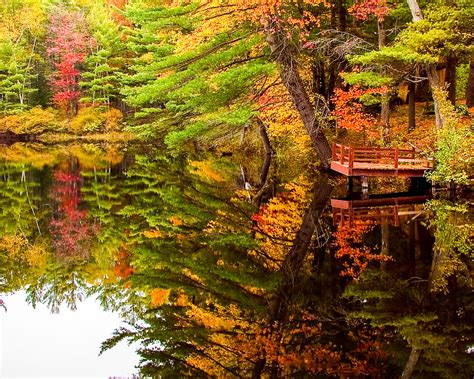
223, 266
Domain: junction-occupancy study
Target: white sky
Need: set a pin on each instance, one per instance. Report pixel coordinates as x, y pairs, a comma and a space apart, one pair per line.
38, 344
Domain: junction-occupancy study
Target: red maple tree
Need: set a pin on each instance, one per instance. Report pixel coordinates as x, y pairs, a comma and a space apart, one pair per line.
363, 9
71, 230
67, 45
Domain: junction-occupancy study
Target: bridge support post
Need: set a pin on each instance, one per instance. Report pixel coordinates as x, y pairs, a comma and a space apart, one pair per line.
418, 184
365, 186
350, 184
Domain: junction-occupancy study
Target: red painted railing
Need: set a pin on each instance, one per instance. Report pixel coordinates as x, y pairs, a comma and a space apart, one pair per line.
376, 156
391, 214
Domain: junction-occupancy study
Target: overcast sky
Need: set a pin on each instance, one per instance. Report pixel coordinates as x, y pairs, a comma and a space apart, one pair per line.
38, 344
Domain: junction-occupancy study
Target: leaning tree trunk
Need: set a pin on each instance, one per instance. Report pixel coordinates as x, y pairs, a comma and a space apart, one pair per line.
313, 119
470, 85
411, 363
291, 267
431, 71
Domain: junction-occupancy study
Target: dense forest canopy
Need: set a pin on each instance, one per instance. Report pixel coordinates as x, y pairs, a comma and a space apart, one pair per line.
195, 196
205, 71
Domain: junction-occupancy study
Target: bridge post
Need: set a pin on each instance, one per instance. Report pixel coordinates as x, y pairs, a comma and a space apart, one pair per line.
350, 184
365, 187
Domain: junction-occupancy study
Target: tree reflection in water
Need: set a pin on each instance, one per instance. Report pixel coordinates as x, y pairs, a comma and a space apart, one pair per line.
216, 280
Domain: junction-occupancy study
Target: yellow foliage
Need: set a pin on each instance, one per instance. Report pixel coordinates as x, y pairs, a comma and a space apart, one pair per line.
279, 220
113, 119
36, 120
220, 319
176, 221
189, 274
284, 123
13, 244
35, 154
182, 300
89, 156
159, 297
36, 256
152, 233
27, 17
219, 322
113, 156
205, 171
87, 119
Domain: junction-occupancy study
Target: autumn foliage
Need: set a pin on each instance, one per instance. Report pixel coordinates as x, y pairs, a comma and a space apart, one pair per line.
363, 9
278, 221
70, 226
349, 110
68, 44
351, 252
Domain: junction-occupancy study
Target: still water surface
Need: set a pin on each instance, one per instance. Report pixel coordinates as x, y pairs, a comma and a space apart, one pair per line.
36, 343
215, 266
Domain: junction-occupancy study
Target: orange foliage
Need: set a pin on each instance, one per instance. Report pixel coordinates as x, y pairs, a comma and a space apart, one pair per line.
363, 9
298, 346
205, 171
152, 233
176, 221
349, 111
277, 10
122, 266
159, 297
354, 256
117, 15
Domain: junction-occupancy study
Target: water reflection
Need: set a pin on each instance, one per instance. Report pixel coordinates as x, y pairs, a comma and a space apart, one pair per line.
215, 277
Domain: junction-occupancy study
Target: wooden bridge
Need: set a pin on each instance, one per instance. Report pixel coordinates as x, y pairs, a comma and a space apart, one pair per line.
373, 161
391, 209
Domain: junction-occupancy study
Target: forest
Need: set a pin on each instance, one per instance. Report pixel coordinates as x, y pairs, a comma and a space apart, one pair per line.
260, 188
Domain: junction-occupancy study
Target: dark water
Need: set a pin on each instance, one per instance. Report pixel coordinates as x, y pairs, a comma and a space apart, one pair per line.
225, 267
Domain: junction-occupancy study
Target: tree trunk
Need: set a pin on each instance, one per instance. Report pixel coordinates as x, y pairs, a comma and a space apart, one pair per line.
262, 129
411, 363
470, 85
431, 71
411, 246
381, 33
415, 10
319, 79
385, 239
313, 120
295, 257
451, 79
433, 78
341, 16
411, 106
292, 265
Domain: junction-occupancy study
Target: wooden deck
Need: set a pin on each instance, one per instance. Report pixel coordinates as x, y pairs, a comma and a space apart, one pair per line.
372, 161
377, 210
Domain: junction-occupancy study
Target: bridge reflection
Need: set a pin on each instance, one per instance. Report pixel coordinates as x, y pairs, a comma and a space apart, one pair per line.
394, 208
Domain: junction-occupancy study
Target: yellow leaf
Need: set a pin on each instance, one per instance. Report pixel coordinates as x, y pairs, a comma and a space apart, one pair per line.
159, 297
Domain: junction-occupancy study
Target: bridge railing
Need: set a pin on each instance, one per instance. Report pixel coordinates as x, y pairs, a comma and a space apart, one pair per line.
393, 158
371, 216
